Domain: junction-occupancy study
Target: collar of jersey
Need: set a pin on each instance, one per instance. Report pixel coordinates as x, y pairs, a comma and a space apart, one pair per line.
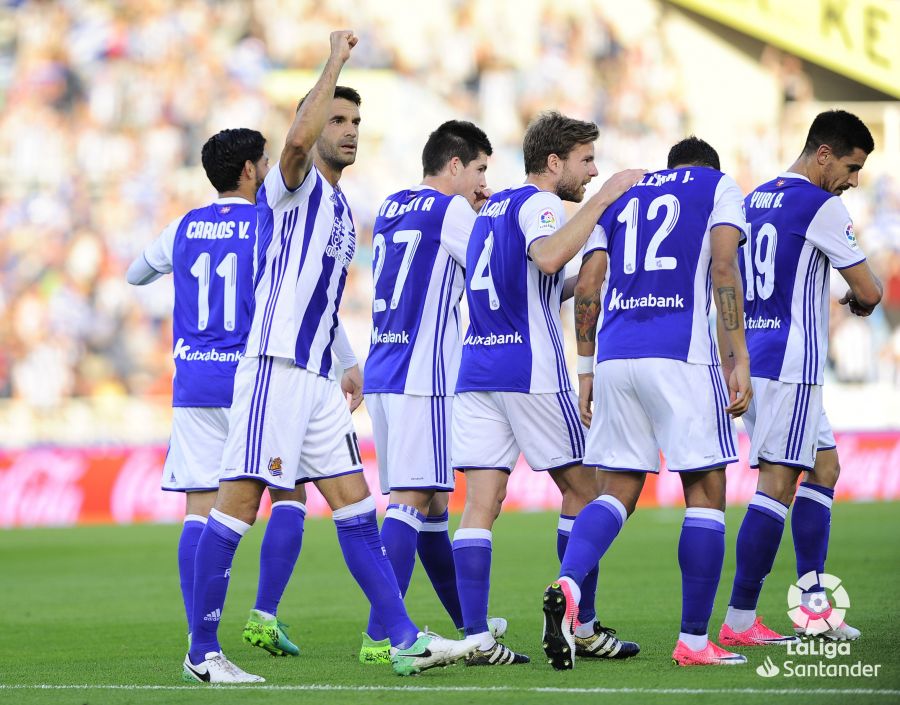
231, 199
793, 175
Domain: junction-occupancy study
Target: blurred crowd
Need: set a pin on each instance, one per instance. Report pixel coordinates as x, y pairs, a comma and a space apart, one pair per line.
105, 106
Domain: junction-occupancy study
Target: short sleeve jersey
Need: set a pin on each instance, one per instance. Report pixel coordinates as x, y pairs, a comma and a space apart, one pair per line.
514, 342
657, 295
797, 232
419, 250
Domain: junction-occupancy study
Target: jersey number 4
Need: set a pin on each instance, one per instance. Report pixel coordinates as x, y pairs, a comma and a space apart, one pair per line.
227, 269
481, 277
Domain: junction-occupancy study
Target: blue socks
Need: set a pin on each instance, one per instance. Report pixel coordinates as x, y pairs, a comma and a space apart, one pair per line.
187, 554
472, 556
364, 553
811, 526
399, 533
594, 530
212, 569
586, 611
701, 552
278, 555
436, 554
757, 544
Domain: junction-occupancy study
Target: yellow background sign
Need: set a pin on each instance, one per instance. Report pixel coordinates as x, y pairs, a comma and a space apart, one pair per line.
857, 38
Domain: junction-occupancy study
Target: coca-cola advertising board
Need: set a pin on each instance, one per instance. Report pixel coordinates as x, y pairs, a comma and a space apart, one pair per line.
57, 486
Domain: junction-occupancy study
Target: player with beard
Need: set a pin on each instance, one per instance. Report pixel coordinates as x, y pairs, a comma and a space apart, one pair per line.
513, 391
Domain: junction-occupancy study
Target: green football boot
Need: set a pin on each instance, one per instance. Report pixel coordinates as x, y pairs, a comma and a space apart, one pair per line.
269, 634
373, 653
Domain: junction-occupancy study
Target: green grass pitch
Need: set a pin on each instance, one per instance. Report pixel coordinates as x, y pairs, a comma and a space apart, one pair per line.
99, 608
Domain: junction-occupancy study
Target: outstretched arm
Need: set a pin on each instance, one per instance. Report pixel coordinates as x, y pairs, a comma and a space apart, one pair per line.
296, 158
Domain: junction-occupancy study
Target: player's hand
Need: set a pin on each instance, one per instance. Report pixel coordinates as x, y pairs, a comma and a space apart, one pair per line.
619, 183
585, 397
481, 197
342, 42
352, 386
727, 365
739, 390
856, 308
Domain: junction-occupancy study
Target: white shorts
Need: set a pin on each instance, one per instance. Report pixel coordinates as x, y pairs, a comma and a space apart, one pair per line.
645, 405
195, 448
287, 426
787, 423
412, 441
490, 428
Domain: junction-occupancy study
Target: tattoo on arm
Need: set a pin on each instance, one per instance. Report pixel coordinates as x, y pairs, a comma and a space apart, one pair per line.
728, 307
587, 311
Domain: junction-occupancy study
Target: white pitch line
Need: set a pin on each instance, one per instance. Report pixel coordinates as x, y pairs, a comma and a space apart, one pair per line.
198, 687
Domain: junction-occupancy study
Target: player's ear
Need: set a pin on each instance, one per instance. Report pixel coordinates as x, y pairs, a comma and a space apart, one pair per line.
455, 165
554, 163
823, 153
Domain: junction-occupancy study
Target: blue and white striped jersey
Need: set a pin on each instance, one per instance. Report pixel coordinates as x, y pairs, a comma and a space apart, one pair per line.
658, 290
212, 254
311, 241
514, 342
797, 231
419, 251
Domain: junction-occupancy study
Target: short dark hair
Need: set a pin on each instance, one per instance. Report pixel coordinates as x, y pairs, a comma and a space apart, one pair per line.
553, 133
225, 154
344, 92
693, 150
455, 138
840, 130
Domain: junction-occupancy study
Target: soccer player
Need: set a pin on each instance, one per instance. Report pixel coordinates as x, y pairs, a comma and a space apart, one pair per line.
289, 423
513, 390
419, 269
212, 253
799, 229
643, 294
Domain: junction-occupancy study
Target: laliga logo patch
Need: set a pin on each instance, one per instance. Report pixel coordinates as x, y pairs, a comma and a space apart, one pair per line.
275, 467
851, 236
547, 220
818, 615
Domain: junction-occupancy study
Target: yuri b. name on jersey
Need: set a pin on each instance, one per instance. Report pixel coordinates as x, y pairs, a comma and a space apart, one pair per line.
390, 337
619, 302
184, 352
223, 230
763, 199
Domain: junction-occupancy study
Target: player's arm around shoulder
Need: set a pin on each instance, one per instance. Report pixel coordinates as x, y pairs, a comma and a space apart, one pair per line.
552, 250
309, 121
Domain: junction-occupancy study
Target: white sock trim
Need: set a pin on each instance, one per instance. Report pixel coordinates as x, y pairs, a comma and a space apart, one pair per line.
573, 587
769, 503
809, 493
364, 506
608, 499
473, 534
436, 527
695, 642
716, 515
400, 515
290, 503
233, 523
194, 517
565, 524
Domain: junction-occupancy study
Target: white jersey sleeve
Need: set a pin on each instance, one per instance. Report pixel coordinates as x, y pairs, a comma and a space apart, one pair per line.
541, 215
342, 348
831, 231
276, 191
158, 254
728, 207
458, 222
597, 240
